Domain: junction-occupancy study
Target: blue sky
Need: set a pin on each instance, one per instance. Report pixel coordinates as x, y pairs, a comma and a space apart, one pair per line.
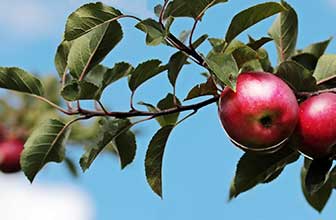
199, 161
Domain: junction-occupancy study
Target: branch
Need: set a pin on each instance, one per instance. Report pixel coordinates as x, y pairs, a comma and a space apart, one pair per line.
326, 80
309, 94
162, 13
136, 113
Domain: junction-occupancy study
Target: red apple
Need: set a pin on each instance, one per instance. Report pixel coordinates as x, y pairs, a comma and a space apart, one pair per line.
317, 125
263, 111
10, 151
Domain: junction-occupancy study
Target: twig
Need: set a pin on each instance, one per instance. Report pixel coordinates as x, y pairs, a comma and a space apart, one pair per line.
162, 13
326, 80
309, 94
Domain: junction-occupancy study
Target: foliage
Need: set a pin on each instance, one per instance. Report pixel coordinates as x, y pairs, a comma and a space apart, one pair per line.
93, 31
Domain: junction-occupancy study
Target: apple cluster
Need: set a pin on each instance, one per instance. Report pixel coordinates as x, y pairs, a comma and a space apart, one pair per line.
10, 152
263, 113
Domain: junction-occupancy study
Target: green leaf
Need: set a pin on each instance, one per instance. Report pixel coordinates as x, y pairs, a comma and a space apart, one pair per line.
184, 36
179, 59
326, 67
332, 177
61, 57
166, 103
102, 76
157, 10
264, 60
307, 60
251, 16
109, 130
16, 79
87, 18
317, 49
155, 32
80, 90
318, 199
71, 166
244, 54
254, 168
90, 49
189, 8
119, 71
256, 44
46, 144
144, 72
154, 157
125, 144
298, 77
317, 175
203, 89
224, 67
284, 31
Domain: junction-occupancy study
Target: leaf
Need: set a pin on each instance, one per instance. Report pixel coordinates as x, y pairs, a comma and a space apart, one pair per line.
87, 18
298, 77
184, 35
143, 72
157, 10
251, 16
326, 67
317, 49
102, 76
244, 54
225, 68
154, 157
317, 174
109, 130
307, 60
254, 168
179, 59
61, 57
189, 8
125, 145
71, 166
264, 60
16, 79
90, 49
256, 44
332, 177
319, 199
217, 44
203, 89
119, 71
80, 90
155, 32
46, 144
166, 103
284, 31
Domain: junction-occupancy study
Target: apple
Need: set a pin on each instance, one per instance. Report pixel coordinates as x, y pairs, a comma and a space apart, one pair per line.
262, 113
10, 152
317, 125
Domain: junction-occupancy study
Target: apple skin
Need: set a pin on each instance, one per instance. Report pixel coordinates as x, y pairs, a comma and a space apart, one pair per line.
317, 125
263, 111
10, 152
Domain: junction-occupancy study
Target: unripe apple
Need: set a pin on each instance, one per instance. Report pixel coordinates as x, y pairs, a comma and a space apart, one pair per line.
317, 125
10, 152
263, 111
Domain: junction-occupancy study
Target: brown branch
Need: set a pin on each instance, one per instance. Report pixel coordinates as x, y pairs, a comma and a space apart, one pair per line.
326, 80
309, 94
136, 113
162, 13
